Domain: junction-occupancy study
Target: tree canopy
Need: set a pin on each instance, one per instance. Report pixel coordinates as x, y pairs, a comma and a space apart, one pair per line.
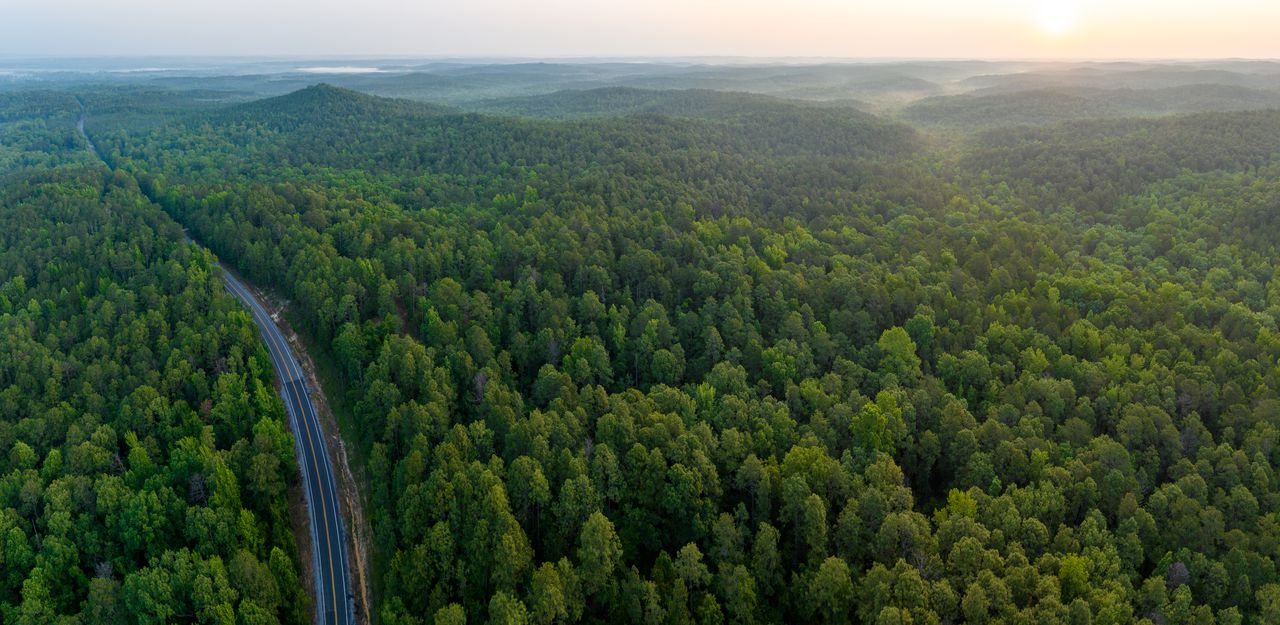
667, 370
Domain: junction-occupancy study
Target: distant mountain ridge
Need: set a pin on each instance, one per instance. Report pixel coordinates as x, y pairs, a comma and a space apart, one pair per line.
1095, 162
991, 108
325, 100
622, 101
333, 119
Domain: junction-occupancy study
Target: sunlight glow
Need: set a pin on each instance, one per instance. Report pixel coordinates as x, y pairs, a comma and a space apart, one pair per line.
1056, 17
362, 29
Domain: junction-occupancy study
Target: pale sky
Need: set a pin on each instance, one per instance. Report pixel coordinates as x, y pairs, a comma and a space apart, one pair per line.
1101, 29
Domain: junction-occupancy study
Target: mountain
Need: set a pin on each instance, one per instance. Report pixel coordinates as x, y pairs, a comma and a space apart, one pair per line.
623, 101
324, 101
335, 121
1095, 162
1039, 106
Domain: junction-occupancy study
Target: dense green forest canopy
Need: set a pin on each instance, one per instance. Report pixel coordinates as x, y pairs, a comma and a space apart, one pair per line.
145, 460
790, 363
984, 108
1096, 164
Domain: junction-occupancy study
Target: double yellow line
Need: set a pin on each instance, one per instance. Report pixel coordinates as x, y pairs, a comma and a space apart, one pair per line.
282, 354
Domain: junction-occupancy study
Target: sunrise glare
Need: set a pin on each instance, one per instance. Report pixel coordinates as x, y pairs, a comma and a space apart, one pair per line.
1075, 29
1056, 17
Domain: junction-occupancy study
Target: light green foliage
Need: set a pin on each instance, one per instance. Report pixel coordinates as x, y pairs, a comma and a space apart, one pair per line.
900, 357
878, 425
830, 593
145, 460
451, 614
599, 553
1073, 574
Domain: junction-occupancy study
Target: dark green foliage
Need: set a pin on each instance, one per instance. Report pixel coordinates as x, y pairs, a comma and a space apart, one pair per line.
1093, 165
143, 456
672, 371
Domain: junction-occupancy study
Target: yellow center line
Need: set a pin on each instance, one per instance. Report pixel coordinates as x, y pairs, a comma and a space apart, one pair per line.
324, 511
297, 403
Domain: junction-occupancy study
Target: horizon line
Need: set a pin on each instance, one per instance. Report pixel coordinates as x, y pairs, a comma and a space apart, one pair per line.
636, 58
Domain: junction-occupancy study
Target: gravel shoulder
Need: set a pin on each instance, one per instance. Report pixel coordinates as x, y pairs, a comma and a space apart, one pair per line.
358, 540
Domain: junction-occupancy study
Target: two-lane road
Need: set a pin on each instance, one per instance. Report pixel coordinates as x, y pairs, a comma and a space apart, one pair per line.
328, 539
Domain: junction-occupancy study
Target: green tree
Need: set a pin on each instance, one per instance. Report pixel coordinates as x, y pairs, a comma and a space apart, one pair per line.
830, 591
599, 554
900, 358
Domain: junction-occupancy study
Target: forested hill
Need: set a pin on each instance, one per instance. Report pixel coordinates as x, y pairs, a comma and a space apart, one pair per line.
333, 125
759, 121
987, 109
1092, 164
622, 101
651, 369
326, 103
428, 155
38, 131
36, 105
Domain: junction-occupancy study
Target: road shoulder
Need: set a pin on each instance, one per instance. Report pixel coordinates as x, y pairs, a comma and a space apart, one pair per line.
359, 533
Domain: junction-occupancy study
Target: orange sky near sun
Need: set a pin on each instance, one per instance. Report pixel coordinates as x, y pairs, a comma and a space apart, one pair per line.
649, 28
1009, 28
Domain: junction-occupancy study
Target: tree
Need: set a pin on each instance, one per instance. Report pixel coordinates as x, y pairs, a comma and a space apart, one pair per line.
148, 596
588, 362
830, 591
451, 614
530, 492
878, 426
900, 357
1269, 602
103, 603
507, 610
599, 553
546, 598
975, 605
737, 590
1073, 573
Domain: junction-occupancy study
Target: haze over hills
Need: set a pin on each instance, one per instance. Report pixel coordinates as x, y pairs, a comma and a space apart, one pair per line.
670, 341
937, 93
995, 107
622, 101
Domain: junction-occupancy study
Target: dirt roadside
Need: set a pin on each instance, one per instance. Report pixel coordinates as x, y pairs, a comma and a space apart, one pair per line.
358, 532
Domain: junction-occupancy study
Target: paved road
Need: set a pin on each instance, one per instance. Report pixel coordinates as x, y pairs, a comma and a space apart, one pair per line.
328, 538
80, 126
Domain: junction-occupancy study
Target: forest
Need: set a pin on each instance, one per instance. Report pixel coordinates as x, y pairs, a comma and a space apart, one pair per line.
716, 360
145, 459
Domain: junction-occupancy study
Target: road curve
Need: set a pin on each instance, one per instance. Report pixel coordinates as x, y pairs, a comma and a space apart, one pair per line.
328, 538
330, 567
80, 126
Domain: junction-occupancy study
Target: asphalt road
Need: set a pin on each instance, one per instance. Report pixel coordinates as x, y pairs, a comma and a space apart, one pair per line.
328, 538
80, 126
330, 567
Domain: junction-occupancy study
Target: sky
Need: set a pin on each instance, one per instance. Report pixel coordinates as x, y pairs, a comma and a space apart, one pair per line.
1022, 29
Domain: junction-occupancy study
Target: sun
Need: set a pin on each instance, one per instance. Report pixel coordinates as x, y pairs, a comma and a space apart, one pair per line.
1056, 17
